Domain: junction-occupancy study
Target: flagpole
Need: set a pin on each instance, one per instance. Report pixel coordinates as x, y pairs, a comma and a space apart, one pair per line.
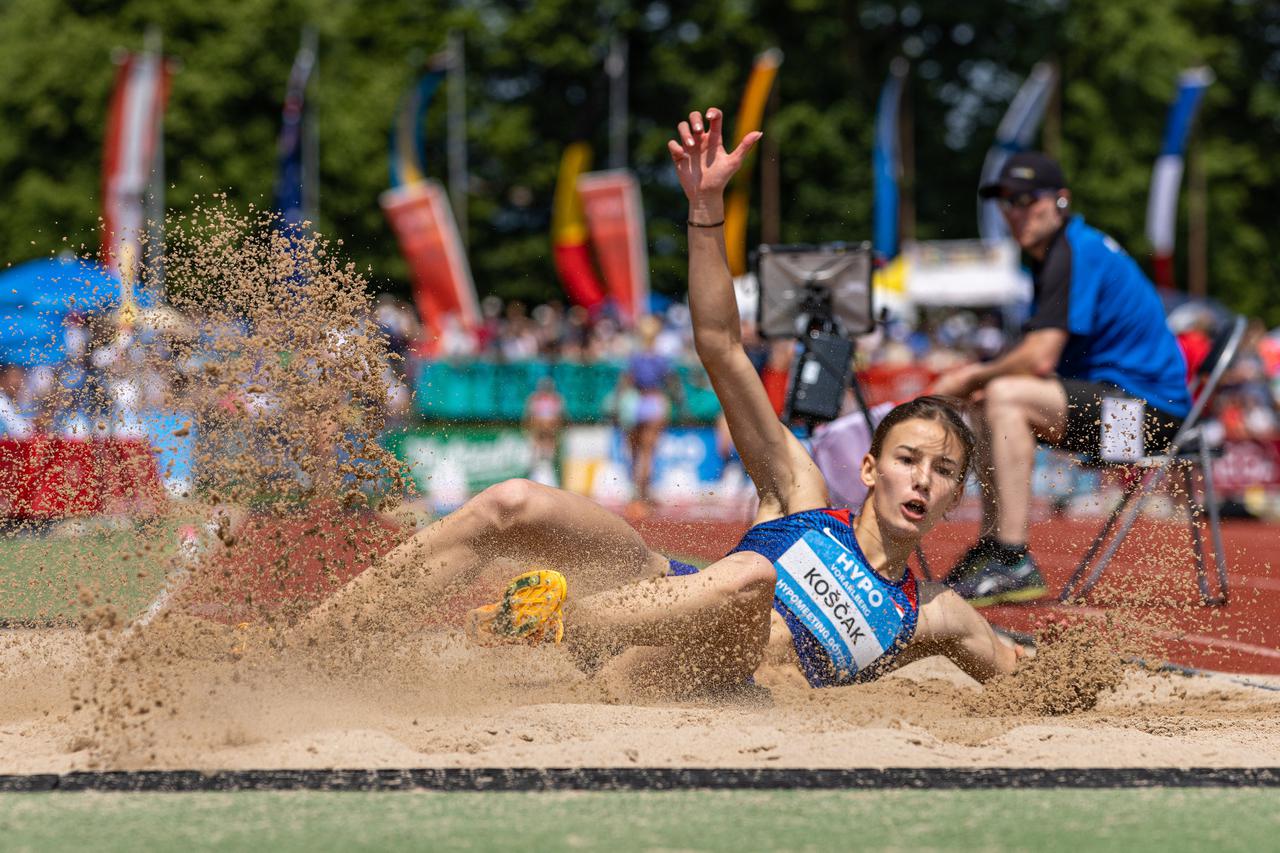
615, 66
457, 132
153, 260
770, 182
1197, 223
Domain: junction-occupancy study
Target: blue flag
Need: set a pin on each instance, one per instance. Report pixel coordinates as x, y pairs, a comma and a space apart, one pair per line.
886, 162
408, 146
291, 190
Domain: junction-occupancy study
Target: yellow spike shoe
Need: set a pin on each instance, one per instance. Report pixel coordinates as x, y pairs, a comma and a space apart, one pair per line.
529, 612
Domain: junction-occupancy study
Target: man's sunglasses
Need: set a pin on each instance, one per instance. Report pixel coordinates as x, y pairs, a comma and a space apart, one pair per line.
1021, 201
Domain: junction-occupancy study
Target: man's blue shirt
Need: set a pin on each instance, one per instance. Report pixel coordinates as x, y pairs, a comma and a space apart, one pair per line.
1089, 287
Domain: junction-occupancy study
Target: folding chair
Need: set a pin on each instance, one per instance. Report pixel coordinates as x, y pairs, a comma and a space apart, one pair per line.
1188, 451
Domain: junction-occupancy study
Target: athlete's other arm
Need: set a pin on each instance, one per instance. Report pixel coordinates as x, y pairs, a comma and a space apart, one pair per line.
784, 475
949, 625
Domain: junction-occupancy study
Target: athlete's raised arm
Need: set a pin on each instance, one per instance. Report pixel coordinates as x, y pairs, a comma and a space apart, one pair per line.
782, 471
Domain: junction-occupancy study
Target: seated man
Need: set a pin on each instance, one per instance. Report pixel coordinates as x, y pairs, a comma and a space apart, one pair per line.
1097, 331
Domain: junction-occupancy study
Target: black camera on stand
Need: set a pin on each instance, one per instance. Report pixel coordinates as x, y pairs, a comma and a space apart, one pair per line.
821, 296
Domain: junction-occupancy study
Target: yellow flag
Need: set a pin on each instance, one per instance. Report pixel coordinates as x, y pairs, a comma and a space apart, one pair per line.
750, 117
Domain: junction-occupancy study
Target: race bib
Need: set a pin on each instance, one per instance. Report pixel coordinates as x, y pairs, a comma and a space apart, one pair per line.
848, 608
1122, 423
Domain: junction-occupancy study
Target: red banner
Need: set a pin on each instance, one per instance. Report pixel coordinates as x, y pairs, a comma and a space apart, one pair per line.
882, 384
1246, 464
48, 477
615, 218
419, 214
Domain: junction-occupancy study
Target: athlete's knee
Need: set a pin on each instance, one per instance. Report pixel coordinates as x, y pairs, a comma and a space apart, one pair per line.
1006, 396
510, 503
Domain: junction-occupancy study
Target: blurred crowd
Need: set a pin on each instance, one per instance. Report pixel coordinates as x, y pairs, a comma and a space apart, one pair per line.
100, 388
510, 331
107, 377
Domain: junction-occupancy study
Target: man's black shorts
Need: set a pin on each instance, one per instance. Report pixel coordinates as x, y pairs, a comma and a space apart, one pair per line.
1084, 419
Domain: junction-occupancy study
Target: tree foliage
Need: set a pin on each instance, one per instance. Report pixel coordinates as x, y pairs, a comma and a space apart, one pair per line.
535, 82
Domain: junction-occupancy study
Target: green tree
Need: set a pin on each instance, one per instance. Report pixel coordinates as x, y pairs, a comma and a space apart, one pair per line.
535, 82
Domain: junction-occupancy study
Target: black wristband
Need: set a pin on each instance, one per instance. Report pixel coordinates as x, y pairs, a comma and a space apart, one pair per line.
705, 224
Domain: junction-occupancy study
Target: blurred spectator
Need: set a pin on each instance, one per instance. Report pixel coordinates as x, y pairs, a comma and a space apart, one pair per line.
543, 421
643, 406
16, 419
517, 340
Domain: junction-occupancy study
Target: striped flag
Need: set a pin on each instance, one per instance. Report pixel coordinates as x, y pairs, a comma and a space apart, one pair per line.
1166, 178
886, 161
134, 124
1016, 132
569, 246
750, 118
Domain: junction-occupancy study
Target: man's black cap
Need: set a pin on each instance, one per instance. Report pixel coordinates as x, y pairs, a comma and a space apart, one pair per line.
1026, 171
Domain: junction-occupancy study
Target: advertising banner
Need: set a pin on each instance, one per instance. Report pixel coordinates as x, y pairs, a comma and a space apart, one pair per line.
615, 217
687, 466
450, 465
965, 272
423, 222
1246, 465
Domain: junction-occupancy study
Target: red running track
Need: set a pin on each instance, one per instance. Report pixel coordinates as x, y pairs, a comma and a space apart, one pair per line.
1152, 579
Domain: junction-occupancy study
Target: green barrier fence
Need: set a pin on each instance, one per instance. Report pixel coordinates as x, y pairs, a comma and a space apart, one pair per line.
484, 391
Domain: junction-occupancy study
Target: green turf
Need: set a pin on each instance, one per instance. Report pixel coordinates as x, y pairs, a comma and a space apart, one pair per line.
41, 576
1067, 820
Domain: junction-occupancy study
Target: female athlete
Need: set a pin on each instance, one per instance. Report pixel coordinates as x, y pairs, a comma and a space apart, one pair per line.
813, 585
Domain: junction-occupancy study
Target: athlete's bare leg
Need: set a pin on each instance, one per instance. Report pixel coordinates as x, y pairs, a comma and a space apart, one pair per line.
521, 521
714, 624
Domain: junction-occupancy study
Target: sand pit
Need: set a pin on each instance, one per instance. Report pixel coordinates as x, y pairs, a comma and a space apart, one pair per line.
283, 381
437, 702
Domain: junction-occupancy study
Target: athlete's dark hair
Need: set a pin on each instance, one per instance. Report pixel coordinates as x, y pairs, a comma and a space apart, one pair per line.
932, 407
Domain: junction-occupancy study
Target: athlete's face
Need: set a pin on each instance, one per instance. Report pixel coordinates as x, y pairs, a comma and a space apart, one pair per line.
1033, 218
917, 478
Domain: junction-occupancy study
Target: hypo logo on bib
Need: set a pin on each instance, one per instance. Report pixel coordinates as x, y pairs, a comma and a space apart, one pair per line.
846, 607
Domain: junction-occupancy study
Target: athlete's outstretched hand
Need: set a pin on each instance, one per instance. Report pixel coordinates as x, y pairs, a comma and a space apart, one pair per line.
702, 164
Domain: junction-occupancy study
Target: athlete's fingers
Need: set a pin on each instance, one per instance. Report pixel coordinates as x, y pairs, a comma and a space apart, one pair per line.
676, 150
714, 121
748, 142
695, 122
686, 135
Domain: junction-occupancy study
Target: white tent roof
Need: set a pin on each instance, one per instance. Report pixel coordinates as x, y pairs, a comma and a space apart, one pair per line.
965, 272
